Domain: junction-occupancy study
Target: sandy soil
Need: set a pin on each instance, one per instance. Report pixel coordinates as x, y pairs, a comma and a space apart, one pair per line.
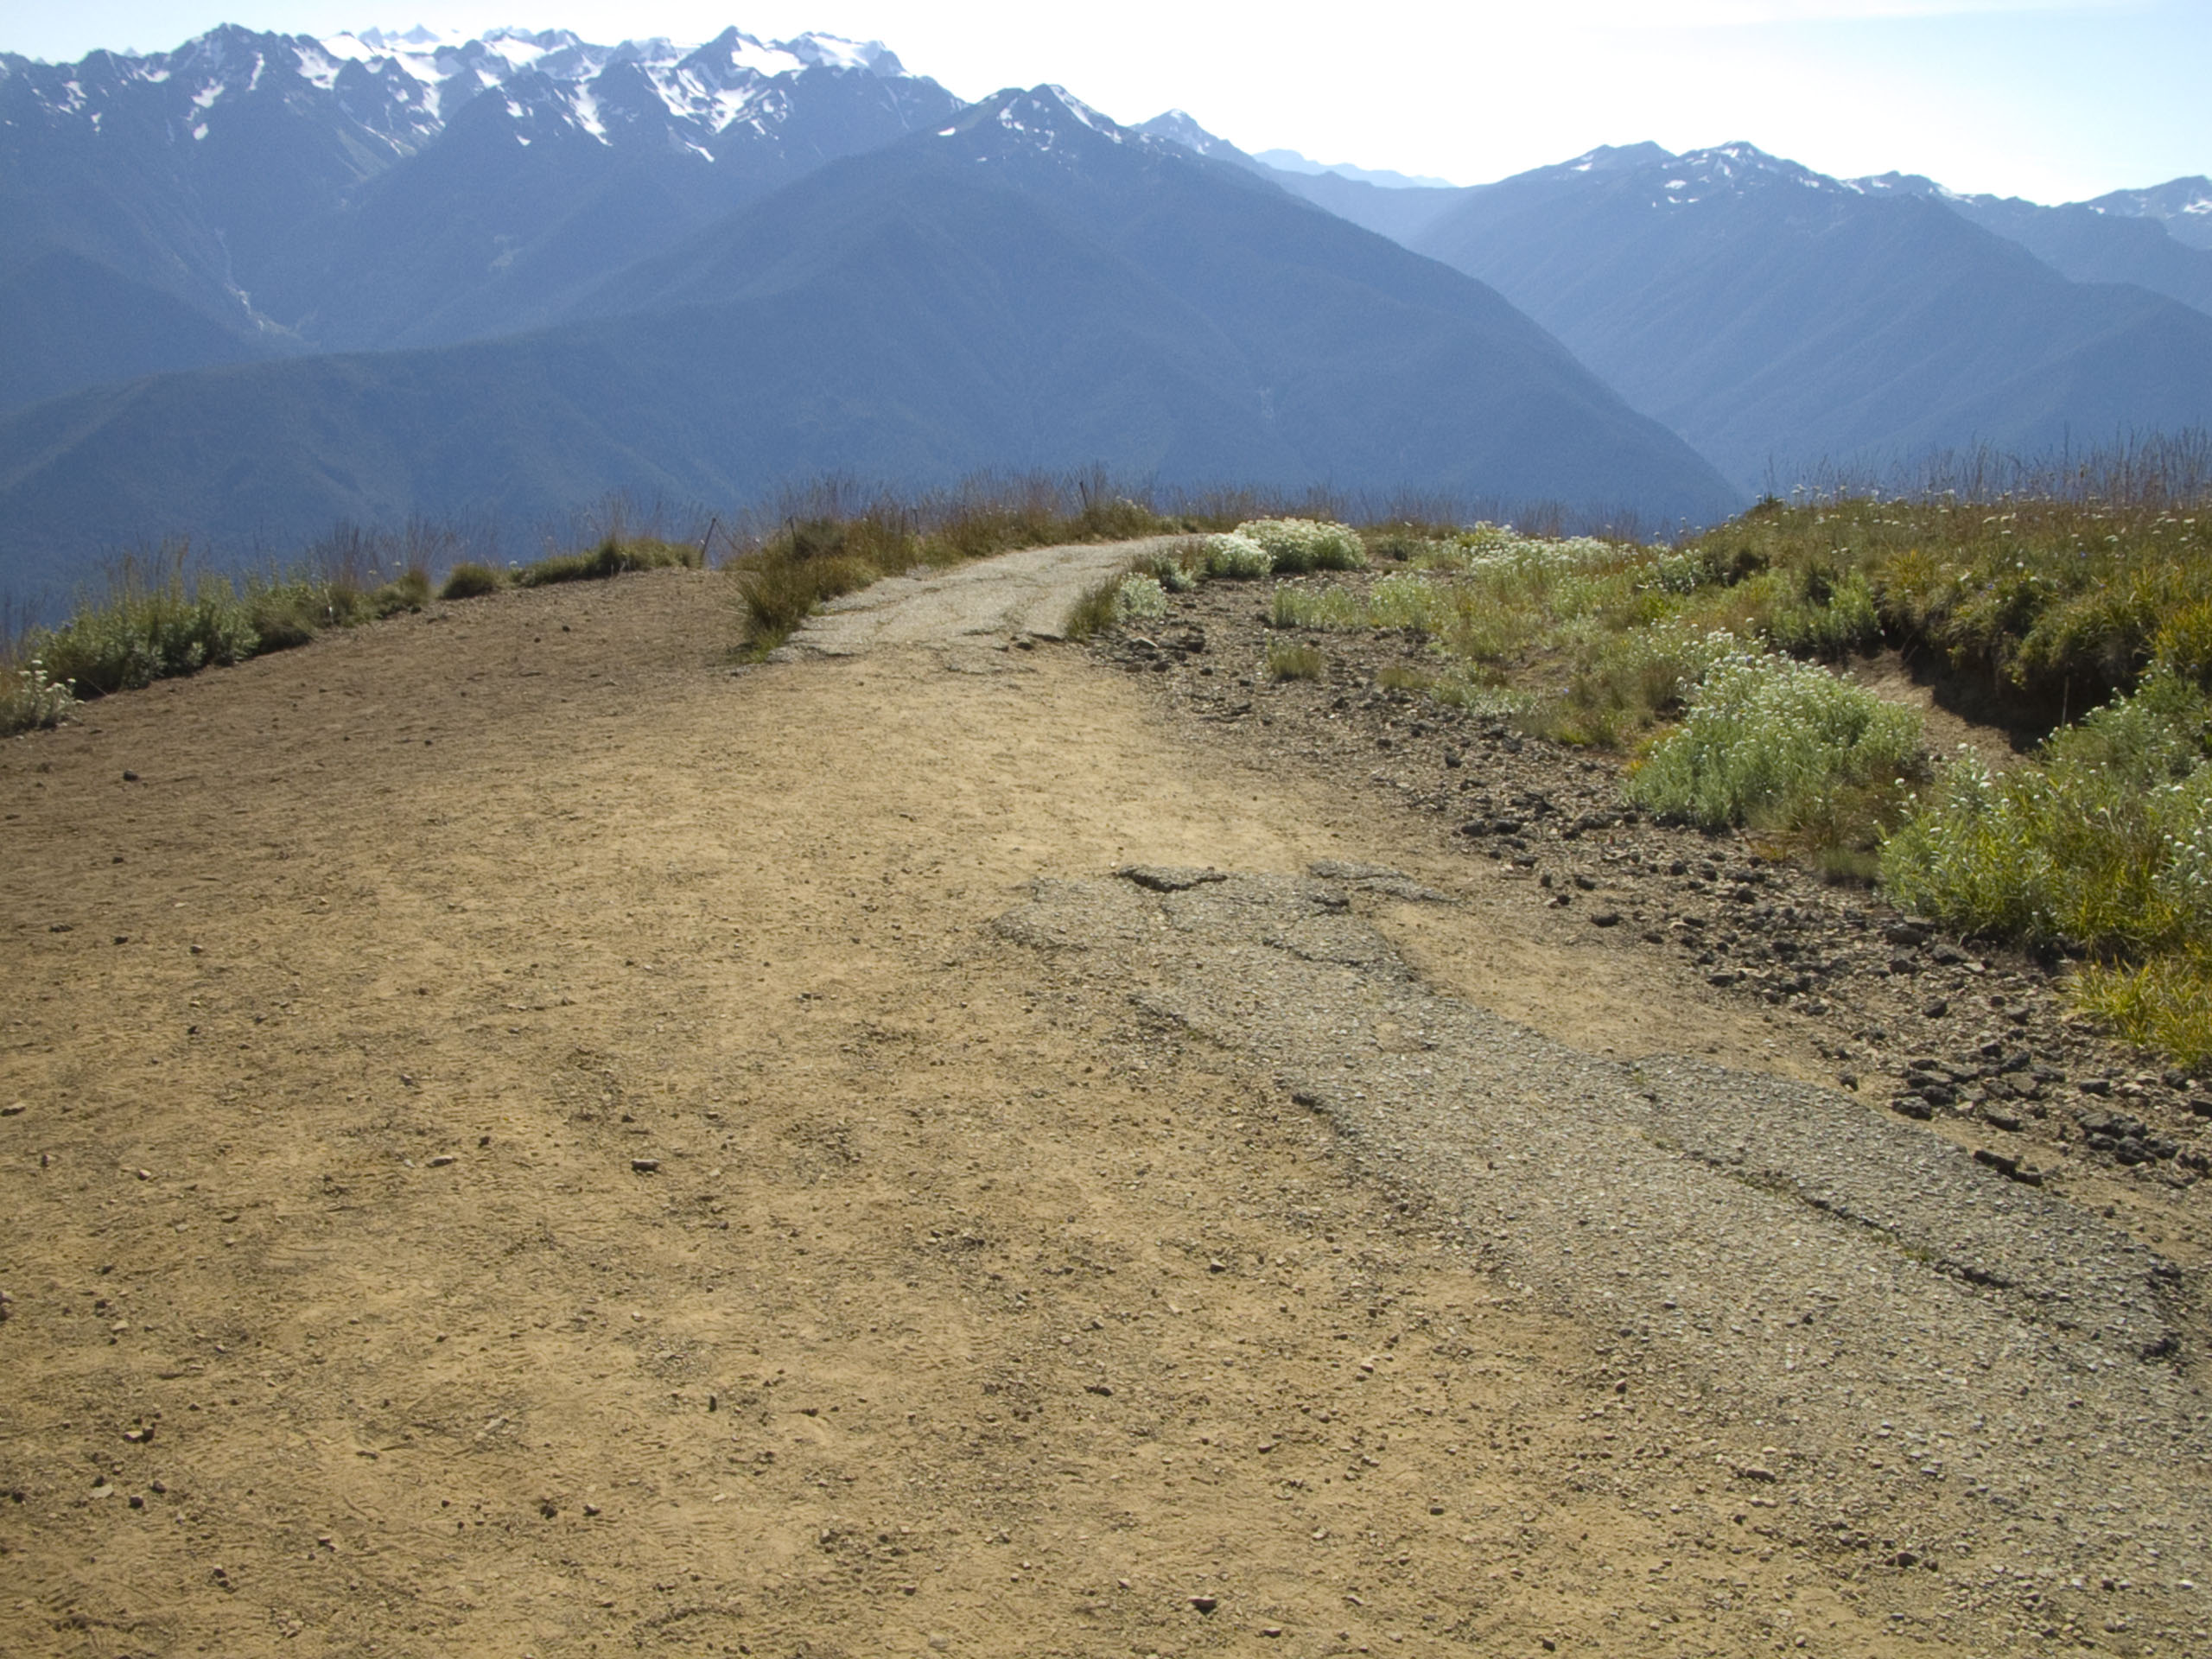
521, 1139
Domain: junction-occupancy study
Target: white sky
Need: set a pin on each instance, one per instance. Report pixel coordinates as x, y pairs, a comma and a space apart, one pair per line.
2052, 99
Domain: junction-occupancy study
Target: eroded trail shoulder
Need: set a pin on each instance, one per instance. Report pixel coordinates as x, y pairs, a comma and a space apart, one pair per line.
530, 1142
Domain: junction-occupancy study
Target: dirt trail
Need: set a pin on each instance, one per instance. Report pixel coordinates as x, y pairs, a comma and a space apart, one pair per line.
533, 1143
1024, 595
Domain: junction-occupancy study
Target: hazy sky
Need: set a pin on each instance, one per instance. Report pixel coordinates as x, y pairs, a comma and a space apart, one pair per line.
2052, 99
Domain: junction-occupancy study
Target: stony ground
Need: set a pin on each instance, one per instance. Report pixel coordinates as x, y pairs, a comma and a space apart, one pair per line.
520, 1139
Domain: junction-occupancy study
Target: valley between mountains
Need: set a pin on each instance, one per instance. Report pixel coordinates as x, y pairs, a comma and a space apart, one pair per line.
520, 1138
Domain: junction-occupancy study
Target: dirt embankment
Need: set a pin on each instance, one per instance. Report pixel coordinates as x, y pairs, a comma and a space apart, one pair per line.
530, 1141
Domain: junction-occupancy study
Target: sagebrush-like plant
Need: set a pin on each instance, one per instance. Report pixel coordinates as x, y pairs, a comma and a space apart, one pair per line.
1140, 599
1766, 739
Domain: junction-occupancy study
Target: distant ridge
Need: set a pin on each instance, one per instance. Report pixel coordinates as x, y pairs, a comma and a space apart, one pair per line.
1778, 318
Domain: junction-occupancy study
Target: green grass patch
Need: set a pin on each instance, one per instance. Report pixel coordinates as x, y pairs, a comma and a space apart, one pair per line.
1288, 660
2064, 602
157, 620
2101, 844
2164, 1004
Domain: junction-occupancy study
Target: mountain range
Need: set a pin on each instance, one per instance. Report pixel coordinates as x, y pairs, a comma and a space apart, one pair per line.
265, 281
1026, 285
372, 191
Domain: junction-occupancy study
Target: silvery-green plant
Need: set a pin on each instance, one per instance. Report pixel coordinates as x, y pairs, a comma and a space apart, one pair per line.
1140, 599
1766, 738
1236, 555
1300, 544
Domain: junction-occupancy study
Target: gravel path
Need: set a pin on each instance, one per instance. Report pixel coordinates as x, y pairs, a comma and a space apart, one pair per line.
1978, 1373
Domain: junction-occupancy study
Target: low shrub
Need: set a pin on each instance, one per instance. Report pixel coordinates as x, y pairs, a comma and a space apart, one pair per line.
1295, 545
1236, 556
1287, 661
1767, 742
470, 581
1140, 599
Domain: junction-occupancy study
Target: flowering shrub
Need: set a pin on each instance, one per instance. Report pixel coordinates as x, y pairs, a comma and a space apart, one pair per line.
35, 700
1767, 739
1140, 599
1300, 544
1236, 555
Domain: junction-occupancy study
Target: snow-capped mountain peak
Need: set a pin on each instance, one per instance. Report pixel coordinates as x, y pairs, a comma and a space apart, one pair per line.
406, 86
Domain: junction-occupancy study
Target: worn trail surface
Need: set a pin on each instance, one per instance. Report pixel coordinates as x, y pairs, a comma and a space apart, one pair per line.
532, 1142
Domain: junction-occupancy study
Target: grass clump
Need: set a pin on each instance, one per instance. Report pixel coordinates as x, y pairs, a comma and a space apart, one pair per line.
1287, 660
2165, 1003
1093, 612
1773, 743
470, 579
614, 557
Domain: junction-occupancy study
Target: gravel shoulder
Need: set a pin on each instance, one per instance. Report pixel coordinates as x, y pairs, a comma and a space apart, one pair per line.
531, 1141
